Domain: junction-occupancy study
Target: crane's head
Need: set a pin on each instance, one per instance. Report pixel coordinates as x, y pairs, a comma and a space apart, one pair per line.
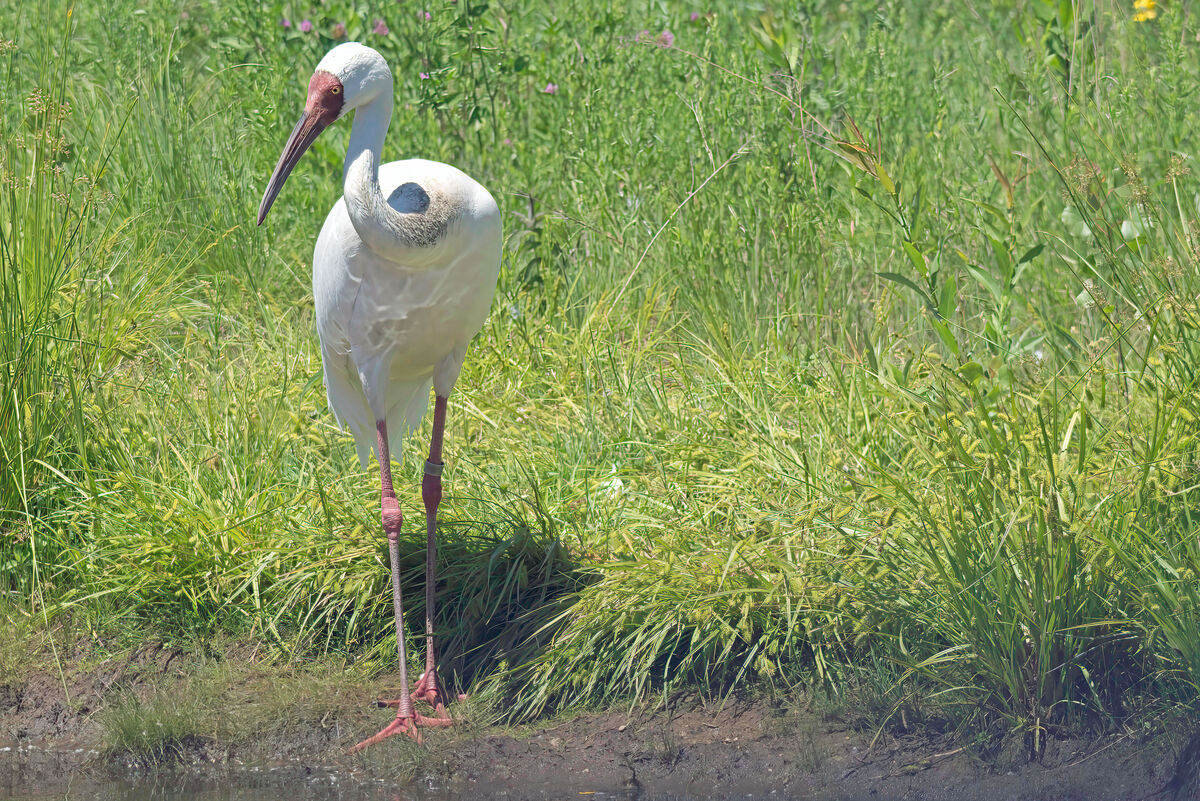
350, 75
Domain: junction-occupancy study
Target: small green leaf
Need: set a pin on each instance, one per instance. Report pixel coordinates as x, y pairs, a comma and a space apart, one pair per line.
989, 283
916, 258
946, 335
995, 211
1075, 223
1006, 376
971, 371
1031, 254
900, 279
885, 179
948, 297
1136, 224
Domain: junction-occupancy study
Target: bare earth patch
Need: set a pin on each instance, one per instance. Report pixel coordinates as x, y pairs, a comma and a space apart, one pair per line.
294, 725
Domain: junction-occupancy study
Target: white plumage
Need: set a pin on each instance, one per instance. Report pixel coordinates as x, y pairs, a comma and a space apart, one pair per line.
391, 328
403, 275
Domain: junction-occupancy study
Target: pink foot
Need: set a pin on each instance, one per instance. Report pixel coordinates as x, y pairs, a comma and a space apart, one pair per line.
427, 690
410, 726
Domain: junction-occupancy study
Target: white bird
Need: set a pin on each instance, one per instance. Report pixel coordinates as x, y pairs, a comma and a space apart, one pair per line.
404, 271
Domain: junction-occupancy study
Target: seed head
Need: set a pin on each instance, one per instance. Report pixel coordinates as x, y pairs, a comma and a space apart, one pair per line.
1129, 167
1096, 294
1178, 167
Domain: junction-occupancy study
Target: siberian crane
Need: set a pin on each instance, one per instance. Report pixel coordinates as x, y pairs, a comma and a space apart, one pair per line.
404, 271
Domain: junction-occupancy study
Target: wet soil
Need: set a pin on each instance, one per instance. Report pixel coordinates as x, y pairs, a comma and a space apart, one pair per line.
50, 727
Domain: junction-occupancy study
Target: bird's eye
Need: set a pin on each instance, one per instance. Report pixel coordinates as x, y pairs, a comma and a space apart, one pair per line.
337, 90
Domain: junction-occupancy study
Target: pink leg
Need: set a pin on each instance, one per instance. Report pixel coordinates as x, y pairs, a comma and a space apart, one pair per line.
431, 493
406, 720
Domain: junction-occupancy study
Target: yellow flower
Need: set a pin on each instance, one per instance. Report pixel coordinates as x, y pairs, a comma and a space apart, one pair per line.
1144, 10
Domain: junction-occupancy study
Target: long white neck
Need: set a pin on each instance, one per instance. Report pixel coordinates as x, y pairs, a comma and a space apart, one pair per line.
398, 236
366, 142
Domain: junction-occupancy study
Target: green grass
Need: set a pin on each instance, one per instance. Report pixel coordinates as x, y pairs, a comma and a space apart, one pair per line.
859, 334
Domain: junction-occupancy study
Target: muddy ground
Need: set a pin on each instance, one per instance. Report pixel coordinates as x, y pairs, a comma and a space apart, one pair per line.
53, 723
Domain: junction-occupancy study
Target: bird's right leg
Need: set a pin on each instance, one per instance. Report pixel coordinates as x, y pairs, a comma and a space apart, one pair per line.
407, 719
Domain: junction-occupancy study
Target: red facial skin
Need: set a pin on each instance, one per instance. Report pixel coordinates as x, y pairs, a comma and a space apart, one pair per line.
325, 97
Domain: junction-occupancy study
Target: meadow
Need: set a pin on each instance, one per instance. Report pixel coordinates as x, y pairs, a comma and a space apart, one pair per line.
841, 345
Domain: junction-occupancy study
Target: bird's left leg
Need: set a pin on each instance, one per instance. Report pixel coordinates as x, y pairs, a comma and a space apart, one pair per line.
431, 493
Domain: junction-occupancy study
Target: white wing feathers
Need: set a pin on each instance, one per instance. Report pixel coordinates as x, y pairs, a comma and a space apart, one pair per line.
343, 388
390, 329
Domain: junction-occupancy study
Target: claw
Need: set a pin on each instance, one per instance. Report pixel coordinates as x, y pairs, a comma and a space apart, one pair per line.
410, 726
427, 691
430, 693
401, 725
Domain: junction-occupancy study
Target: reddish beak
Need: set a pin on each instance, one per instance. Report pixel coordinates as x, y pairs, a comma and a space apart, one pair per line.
304, 134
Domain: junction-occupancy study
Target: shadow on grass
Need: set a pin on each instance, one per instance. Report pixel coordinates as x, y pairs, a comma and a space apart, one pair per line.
498, 589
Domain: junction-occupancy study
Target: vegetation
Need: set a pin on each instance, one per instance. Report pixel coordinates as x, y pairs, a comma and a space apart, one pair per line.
831, 338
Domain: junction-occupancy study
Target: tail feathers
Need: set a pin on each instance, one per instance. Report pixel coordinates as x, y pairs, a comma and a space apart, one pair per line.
403, 417
351, 412
406, 402
409, 402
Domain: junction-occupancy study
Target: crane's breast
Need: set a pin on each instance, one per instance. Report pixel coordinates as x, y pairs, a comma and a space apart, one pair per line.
410, 315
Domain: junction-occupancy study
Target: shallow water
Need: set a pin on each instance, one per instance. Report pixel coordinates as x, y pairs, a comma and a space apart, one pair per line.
173, 787
179, 788
33, 774
176, 788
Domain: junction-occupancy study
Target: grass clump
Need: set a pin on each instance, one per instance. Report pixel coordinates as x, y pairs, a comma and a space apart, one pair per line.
849, 335
151, 732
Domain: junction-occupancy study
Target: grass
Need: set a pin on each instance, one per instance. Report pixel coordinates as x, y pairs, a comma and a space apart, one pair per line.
854, 335
209, 706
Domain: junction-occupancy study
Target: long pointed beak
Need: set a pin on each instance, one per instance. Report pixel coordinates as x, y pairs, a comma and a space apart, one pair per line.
304, 134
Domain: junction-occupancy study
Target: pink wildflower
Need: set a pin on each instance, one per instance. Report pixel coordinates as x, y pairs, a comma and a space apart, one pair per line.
424, 76
666, 39
425, 15
305, 25
339, 31
695, 15
285, 23
381, 28
551, 89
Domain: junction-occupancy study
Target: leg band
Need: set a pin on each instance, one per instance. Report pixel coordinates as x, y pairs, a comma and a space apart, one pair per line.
434, 468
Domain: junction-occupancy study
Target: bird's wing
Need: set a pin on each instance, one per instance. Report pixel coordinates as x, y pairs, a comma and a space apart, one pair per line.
346, 400
445, 373
336, 287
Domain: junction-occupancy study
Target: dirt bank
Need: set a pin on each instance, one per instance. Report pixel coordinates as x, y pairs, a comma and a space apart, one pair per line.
235, 714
